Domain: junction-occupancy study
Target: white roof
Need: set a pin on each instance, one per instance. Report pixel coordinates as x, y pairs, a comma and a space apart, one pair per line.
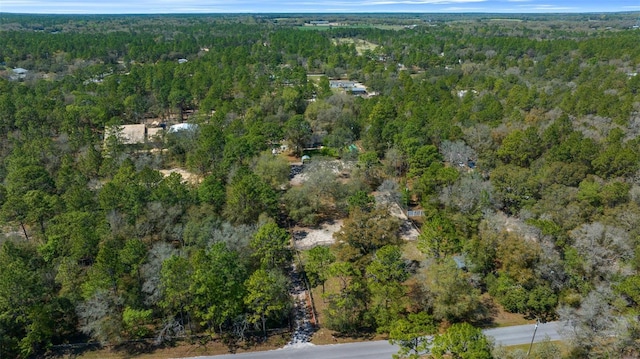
182, 127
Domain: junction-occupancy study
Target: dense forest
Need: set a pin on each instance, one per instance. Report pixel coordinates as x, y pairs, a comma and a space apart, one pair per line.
517, 138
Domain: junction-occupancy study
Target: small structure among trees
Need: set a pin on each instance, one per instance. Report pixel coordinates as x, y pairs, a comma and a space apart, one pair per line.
127, 134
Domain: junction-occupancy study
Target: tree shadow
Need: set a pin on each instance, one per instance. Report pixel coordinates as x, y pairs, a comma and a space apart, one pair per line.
364, 334
72, 350
486, 313
135, 348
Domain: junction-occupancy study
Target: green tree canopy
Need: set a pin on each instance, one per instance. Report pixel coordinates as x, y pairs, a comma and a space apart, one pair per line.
462, 341
271, 245
412, 335
248, 196
365, 232
267, 296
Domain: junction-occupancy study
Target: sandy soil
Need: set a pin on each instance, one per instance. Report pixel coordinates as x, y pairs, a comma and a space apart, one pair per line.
408, 231
300, 171
186, 175
307, 238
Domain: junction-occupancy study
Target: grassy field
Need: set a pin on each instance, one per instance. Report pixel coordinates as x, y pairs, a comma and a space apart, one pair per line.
361, 45
347, 26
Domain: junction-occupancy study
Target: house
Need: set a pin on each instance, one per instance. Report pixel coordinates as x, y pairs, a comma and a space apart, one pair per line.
127, 134
355, 88
132, 134
154, 133
358, 91
18, 73
138, 133
343, 84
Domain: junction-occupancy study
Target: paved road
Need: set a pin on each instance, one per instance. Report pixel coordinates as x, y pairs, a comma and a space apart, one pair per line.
520, 334
362, 350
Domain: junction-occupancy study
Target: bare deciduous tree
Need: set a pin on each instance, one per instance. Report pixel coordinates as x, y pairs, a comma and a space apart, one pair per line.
602, 249
151, 271
589, 328
237, 238
100, 317
479, 137
456, 152
467, 194
396, 162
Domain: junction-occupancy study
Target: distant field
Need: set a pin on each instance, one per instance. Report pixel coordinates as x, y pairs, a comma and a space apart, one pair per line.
513, 20
358, 26
361, 45
389, 27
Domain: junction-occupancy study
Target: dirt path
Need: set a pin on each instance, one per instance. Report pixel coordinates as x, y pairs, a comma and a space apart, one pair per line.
303, 324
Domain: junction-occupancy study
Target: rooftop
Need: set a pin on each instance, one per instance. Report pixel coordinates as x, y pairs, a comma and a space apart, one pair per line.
128, 134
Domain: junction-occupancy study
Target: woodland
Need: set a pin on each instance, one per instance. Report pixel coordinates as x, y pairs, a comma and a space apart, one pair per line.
517, 138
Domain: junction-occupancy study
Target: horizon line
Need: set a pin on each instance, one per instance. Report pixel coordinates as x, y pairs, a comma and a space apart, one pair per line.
329, 13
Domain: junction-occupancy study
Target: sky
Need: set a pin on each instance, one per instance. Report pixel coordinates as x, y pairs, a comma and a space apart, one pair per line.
311, 6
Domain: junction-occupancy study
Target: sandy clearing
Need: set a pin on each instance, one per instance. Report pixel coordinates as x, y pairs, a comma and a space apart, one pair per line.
300, 172
186, 175
408, 230
307, 238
